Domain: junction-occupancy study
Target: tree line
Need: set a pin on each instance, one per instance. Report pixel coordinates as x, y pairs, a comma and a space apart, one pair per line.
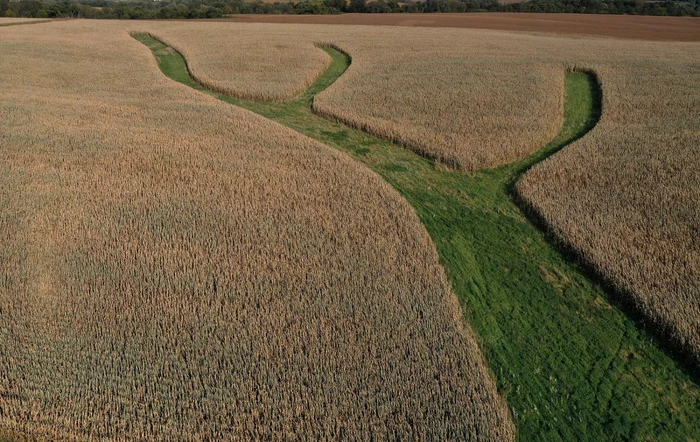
186, 9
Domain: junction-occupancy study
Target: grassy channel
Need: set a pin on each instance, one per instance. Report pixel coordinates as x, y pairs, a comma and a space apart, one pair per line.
571, 365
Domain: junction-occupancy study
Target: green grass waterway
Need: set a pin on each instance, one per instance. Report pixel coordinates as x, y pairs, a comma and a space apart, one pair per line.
571, 365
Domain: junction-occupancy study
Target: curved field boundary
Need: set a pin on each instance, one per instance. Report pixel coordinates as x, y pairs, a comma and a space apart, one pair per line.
450, 163
211, 86
570, 364
456, 147
306, 298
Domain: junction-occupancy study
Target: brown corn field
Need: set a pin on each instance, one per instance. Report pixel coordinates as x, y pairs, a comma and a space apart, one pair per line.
175, 268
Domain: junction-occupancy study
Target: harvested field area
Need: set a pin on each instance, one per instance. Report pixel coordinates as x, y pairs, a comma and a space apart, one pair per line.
174, 268
594, 25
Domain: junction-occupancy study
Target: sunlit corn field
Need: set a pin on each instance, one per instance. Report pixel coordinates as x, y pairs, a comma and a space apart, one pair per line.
175, 268
626, 198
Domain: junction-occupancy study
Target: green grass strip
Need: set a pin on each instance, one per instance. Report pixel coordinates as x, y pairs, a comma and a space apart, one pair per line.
571, 365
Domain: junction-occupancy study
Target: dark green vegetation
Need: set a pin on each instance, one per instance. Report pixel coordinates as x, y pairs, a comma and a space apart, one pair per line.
570, 364
184, 9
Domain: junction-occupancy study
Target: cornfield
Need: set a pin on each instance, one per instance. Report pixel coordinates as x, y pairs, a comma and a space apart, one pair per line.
174, 268
626, 197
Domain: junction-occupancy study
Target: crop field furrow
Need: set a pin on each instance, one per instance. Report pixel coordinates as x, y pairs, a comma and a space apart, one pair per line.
571, 365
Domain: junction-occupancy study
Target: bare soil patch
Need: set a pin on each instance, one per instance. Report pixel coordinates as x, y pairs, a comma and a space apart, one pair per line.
616, 26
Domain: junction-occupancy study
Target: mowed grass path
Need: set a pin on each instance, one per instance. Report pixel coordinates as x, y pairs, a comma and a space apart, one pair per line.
571, 365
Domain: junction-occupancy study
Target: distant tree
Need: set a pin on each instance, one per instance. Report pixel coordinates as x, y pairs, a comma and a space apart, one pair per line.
170, 9
28, 8
336, 6
394, 6
378, 6
357, 6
